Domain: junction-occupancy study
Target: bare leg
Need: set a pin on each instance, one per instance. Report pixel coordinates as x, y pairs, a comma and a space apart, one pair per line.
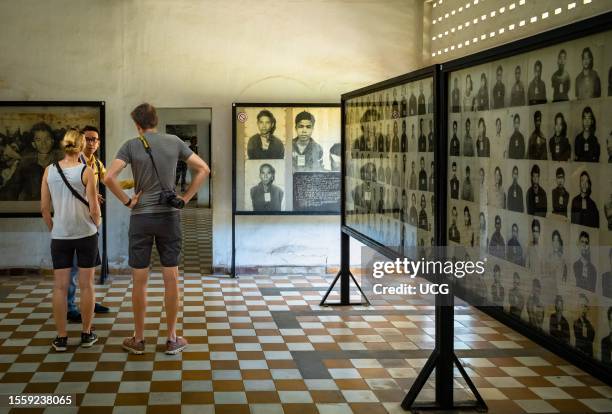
60, 292
171, 299
139, 300
88, 296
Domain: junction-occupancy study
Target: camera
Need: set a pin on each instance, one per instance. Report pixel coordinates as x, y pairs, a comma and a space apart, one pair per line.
170, 198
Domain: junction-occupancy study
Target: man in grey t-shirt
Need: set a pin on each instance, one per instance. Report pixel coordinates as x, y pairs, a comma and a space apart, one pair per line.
152, 219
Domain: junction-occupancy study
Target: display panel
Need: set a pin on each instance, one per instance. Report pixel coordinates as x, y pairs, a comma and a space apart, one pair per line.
30, 133
530, 187
390, 168
287, 158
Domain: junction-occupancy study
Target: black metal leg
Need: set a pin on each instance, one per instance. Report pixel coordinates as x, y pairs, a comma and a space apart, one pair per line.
481, 403
359, 288
420, 380
345, 280
331, 287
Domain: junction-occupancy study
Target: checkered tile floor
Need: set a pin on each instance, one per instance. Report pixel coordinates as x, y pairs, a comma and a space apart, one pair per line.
261, 344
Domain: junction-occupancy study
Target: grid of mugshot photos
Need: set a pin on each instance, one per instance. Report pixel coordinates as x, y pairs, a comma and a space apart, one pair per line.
288, 159
530, 186
390, 171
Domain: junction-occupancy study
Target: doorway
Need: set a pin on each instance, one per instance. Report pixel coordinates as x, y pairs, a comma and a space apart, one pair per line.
193, 125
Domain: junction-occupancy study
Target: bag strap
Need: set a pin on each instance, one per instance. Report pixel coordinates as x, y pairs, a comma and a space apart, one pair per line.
147, 148
72, 190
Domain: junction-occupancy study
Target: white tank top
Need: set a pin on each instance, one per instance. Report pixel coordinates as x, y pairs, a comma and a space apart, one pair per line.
71, 219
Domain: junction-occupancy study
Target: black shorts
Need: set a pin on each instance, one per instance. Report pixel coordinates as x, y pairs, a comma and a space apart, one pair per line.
162, 228
86, 248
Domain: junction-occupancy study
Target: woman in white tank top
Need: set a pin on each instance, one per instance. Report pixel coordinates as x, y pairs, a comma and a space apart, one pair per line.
74, 229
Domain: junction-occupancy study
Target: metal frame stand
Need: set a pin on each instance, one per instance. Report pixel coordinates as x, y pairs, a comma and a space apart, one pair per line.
443, 359
345, 276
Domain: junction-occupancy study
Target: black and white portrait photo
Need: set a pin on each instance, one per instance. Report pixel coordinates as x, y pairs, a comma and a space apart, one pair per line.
584, 269
517, 94
586, 143
30, 138
536, 93
267, 194
292, 156
264, 145
560, 80
516, 146
560, 196
588, 84
584, 211
499, 89
559, 144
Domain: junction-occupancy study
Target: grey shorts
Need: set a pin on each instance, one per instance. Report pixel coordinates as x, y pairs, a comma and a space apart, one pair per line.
162, 228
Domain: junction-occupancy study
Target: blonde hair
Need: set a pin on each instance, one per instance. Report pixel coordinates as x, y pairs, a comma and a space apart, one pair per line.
73, 141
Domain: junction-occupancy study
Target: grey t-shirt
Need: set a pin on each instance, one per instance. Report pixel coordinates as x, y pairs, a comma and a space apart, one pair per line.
166, 150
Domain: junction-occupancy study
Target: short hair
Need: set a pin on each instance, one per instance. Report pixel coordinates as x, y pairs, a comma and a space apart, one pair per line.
73, 140
587, 50
516, 117
455, 124
145, 116
266, 113
588, 110
584, 234
537, 63
454, 164
535, 169
515, 168
304, 116
499, 69
535, 223
41, 126
272, 170
562, 51
537, 115
585, 173
93, 129
514, 225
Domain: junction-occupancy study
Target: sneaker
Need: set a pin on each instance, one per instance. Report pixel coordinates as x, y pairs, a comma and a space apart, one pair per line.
176, 346
60, 344
88, 339
134, 347
74, 317
100, 308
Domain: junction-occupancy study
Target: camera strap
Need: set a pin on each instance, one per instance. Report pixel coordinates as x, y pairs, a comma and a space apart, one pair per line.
71, 188
147, 148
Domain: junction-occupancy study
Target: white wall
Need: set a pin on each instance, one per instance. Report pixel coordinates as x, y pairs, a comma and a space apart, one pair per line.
195, 53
